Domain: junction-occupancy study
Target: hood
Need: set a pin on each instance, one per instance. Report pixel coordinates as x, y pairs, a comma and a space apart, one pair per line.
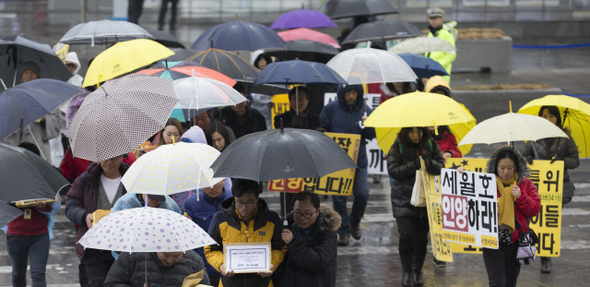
521, 165
72, 58
332, 219
437, 81
359, 100
194, 135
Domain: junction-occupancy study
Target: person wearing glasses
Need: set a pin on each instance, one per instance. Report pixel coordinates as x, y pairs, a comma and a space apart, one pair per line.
311, 243
245, 218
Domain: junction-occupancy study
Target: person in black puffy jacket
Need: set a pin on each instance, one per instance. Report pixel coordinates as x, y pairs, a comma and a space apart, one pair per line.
412, 222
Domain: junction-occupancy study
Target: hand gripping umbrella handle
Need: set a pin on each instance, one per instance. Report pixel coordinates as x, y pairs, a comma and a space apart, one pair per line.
361, 121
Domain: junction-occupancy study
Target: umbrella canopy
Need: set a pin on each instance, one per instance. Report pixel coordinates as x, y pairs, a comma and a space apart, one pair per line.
166, 39
27, 176
349, 8
122, 58
180, 54
120, 115
238, 36
305, 50
176, 73
575, 116
298, 72
380, 31
8, 213
368, 65
423, 45
146, 229
227, 63
512, 127
424, 67
303, 18
25, 103
103, 32
197, 95
280, 154
307, 34
171, 169
17, 50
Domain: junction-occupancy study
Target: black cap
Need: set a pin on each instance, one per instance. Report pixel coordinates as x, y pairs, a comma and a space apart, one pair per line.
157, 197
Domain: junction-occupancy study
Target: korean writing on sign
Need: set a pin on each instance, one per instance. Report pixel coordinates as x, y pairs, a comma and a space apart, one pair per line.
377, 158
280, 105
336, 183
469, 208
441, 248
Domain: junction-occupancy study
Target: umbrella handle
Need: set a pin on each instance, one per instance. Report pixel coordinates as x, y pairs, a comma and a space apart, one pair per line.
361, 121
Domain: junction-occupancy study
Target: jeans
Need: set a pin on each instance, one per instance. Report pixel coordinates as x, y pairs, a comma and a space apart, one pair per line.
97, 264
173, 12
501, 265
34, 248
360, 191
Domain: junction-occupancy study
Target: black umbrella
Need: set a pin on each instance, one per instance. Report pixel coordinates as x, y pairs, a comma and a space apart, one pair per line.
16, 50
165, 39
305, 50
238, 36
281, 154
227, 63
26, 176
8, 213
382, 31
349, 8
181, 54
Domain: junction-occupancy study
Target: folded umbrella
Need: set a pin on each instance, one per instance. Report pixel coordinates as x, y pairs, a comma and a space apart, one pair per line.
104, 32
303, 18
380, 31
238, 36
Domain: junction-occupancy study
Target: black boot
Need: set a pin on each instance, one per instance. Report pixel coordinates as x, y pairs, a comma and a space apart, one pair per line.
407, 278
417, 276
419, 255
406, 258
545, 264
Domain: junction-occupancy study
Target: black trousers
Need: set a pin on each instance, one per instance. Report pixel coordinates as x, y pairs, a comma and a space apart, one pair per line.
173, 12
413, 240
501, 265
97, 264
134, 10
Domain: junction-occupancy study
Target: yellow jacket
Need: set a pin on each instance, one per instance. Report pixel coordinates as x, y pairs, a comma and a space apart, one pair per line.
227, 227
445, 59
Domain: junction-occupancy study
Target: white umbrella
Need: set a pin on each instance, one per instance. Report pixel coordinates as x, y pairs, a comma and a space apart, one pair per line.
422, 45
367, 65
146, 229
171, 169
104, 32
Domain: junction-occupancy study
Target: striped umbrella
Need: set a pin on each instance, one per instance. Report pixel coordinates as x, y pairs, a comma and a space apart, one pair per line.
120, 115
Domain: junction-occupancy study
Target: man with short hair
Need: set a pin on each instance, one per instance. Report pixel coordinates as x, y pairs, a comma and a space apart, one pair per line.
311, 243
163, 269
437, 29
298, 116
244, 218
241, 118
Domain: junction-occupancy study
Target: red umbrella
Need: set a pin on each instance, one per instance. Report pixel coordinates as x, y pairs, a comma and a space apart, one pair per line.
308, 34
187, 71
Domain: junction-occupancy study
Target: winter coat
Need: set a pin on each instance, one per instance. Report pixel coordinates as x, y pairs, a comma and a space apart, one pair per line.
310, 121
313, 263
339, 117
560, 148
76, 79
201, 212
82, 199
529, 202
254, 121
402, 169
443, 58
226, 227
129, 270
71, 167
446, 142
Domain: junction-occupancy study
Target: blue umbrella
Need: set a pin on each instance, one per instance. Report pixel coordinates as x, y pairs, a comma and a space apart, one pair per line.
238, 36
25, 103
298, 72
424, 67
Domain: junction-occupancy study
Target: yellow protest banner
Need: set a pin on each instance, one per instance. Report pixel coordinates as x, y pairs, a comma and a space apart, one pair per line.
547, 224
280, 105
61, 50
441, 248
336, 183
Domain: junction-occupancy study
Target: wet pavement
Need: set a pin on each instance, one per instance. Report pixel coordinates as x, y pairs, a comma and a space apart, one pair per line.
374, 260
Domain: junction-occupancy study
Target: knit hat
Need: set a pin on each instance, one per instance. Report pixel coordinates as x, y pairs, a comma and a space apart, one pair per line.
30, 66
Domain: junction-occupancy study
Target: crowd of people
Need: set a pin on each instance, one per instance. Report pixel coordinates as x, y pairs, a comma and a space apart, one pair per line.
304, 252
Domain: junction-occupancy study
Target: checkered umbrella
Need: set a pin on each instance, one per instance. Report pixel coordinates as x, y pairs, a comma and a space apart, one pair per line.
120, 115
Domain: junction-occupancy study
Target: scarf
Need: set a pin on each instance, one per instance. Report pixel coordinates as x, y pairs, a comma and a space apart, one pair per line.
505, 202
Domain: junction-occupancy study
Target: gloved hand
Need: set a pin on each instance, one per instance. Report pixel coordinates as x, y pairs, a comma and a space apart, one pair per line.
529, 159
427, 163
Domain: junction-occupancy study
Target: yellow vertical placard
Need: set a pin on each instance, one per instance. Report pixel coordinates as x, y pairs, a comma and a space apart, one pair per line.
280, 105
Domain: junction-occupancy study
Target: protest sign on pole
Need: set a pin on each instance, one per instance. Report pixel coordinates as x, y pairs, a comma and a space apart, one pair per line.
336, 183
280, 105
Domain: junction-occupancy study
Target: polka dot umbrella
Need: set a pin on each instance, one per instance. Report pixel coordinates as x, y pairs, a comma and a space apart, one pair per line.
146, 229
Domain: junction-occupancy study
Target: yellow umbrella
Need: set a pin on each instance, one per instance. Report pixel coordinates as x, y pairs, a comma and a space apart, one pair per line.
124, 57
418, 109
575, 115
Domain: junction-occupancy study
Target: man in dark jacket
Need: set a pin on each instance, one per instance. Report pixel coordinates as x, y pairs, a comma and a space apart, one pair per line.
163, 269
311, 243
245, 218
298, 116
97, 188
346, 115
241, 118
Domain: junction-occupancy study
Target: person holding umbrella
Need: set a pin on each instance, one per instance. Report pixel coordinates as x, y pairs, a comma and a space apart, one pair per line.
298, 116
346, 115
553, 149
403, 160
439, 30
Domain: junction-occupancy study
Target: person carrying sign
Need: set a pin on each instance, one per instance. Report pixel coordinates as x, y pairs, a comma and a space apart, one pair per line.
553, 149
518, 200
412, 222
